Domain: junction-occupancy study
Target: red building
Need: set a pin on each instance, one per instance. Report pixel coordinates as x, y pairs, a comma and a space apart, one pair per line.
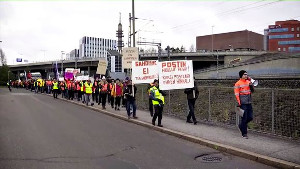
284, 36
240, 40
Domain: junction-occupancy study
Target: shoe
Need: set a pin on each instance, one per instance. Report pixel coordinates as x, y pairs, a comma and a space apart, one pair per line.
153, 123
128, 117
195, 122
245, 136
118, 108
98, 103
159, 125
92, 104
115, 108
189, 121
135, 117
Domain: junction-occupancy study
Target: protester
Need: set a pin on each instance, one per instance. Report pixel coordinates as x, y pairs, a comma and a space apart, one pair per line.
158, 101
242, 90
192, 95
129, 94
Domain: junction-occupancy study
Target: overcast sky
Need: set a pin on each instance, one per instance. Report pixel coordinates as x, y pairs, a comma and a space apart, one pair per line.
40, 30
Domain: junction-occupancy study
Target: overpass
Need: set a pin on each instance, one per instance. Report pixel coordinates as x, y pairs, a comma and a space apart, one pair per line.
200, 60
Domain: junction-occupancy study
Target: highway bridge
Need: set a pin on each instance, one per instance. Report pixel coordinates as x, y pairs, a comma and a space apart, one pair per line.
201, 61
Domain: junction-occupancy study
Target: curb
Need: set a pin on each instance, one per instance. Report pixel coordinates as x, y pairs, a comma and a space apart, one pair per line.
271, 161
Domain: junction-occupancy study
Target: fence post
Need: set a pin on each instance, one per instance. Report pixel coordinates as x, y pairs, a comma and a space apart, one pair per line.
143, 94
273, 108
169, 102
209, 113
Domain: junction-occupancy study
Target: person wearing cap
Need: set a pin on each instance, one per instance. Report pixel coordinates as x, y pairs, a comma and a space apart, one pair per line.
242, 90
158, 101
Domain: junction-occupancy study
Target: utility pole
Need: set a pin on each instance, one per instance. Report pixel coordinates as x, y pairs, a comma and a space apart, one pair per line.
133, 24
62, 62
129, 34
212, 38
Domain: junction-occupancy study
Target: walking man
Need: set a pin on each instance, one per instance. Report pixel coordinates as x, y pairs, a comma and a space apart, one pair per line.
55, 89
242, 90
129, 94
158, 101
88, 92
192, 95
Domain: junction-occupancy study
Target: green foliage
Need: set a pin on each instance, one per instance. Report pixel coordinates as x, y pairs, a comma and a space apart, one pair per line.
4, 75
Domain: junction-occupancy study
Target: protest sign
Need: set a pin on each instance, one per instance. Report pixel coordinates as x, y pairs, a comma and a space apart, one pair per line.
102, 65
175, 74
144, 71
129, 54
69, 75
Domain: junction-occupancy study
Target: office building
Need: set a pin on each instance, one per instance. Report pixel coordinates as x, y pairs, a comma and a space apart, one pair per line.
92, 47
241, 40
284, 36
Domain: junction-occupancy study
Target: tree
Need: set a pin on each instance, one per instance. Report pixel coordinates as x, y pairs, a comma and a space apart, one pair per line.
192, 48
2, 58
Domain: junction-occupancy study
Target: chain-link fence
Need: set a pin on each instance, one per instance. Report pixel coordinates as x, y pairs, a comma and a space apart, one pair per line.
275, 111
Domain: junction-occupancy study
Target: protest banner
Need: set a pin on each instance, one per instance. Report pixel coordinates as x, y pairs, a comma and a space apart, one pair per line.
129, 54
102, 65
69, 75
79, 78
70, 70
144, 71
76, 71
175, 74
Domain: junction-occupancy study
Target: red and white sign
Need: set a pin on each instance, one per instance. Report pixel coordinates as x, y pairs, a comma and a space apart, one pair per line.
175, 74
144, 71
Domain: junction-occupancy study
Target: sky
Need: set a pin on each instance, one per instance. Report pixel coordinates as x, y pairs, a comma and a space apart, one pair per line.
40, 30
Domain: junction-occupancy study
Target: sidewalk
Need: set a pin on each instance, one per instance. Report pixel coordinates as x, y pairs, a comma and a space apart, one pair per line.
272, 151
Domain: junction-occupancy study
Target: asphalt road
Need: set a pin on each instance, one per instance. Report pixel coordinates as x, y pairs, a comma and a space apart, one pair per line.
39, 132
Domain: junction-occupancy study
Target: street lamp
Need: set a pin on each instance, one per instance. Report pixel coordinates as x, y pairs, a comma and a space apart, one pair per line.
62, 62
212, 38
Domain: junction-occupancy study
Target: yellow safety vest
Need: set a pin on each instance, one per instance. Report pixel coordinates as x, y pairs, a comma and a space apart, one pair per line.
55, 85
88, 88
157, 95
81, 86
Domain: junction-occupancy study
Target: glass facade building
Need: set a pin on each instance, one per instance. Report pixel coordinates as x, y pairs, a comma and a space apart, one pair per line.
92, 47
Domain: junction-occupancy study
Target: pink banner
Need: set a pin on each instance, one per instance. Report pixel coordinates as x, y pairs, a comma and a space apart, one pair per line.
69, 75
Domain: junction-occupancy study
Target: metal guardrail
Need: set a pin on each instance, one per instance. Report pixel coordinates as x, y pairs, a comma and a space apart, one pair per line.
276, 111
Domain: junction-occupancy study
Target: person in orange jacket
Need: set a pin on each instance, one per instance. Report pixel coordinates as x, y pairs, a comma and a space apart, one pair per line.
242, 90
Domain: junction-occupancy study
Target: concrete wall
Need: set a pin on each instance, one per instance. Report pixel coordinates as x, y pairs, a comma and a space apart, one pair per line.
281, 68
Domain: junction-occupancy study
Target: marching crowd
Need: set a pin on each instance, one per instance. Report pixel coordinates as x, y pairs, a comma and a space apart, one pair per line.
115, 91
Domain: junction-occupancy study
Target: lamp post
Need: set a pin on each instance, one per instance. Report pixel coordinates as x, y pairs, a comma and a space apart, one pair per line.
62, 62
212, 38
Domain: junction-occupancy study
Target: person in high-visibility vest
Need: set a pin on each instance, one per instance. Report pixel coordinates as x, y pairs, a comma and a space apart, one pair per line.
55, 89
88, 92
82, 91
9, 85
158, 101
242, 90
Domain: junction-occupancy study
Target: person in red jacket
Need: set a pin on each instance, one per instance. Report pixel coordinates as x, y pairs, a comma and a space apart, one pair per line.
242, 90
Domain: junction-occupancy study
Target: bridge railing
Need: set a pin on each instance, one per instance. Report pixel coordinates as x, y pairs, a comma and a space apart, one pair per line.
276, 111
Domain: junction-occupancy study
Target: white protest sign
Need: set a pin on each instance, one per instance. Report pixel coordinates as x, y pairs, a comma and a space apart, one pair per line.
176, 74
79, 78
144, 71
102, 65
69, 70
129, 54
